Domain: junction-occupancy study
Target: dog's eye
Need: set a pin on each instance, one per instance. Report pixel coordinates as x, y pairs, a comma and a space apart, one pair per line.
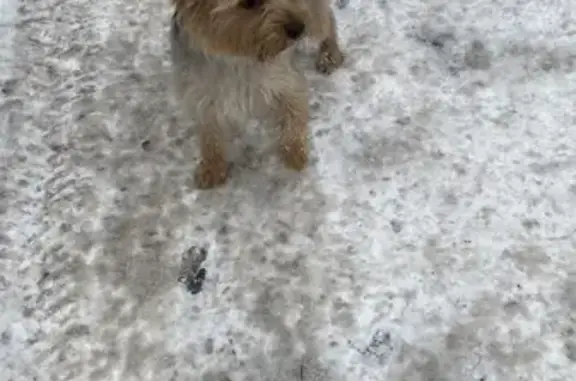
251, 4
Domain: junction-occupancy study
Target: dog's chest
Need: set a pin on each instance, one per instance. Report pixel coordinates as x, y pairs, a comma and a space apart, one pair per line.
248, 90
233, 87
243, 89
238, 89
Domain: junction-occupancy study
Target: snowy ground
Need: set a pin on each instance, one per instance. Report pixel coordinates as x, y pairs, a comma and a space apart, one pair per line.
433, 238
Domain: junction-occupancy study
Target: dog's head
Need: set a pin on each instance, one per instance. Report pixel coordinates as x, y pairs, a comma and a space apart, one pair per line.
258, 29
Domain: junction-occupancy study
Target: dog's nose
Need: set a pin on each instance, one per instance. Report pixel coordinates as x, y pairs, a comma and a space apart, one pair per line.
294, 29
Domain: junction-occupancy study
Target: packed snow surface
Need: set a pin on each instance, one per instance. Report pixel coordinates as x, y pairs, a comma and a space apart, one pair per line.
433, 236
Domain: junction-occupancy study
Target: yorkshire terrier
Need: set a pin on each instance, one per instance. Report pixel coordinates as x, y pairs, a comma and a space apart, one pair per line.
233, 60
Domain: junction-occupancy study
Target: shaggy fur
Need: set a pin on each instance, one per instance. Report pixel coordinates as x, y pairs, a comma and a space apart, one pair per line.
233, 61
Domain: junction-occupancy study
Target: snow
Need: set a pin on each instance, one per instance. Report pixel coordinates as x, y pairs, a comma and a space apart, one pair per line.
432, 238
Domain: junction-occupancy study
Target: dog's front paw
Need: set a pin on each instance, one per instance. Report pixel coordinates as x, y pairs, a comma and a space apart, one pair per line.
211, 174
329, 57
295, 155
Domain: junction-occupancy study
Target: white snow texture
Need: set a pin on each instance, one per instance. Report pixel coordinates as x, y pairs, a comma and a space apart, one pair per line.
433, 236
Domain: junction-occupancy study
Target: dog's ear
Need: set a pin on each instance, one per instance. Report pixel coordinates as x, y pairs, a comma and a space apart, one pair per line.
185, 4
224, 5
211, 6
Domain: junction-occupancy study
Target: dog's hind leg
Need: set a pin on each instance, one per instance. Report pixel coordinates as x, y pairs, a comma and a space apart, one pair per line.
212, 171
293, 117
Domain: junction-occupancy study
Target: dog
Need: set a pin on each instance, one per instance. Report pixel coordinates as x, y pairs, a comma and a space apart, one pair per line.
234, 60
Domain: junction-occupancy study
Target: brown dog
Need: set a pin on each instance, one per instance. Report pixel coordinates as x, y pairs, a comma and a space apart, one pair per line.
233, 61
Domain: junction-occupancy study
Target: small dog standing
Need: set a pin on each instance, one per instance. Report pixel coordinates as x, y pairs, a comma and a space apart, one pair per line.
233, 59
